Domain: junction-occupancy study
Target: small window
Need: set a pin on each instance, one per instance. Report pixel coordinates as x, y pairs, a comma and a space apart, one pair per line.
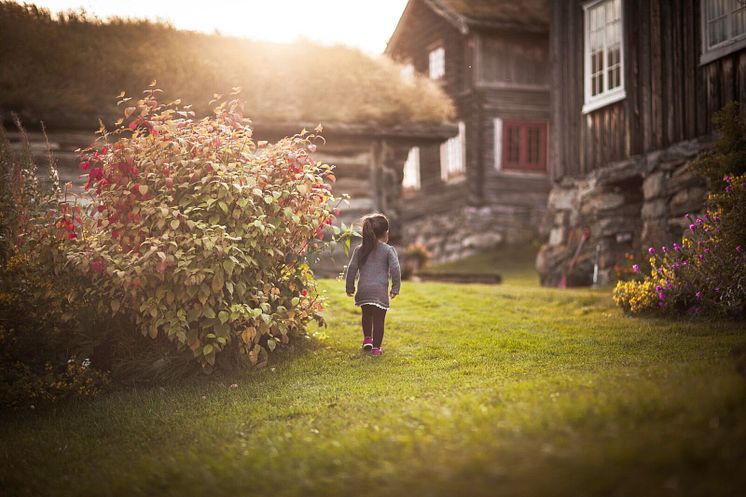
437, 63
604, 54
453, 155
524, 146
407, 71
724, 27
411, 179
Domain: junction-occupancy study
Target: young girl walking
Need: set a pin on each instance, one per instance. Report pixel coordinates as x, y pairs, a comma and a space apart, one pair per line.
375, 261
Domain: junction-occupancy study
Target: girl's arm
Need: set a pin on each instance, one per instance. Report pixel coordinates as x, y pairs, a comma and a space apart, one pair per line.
394, 272
352, 269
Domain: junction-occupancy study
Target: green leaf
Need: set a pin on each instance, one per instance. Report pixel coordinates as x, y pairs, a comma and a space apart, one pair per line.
228, 266
271, 344
217, 283
224, 316
207, 349
208, 312
115, 305
174, 224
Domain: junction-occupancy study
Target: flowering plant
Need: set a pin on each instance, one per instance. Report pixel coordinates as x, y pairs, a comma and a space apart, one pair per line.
705, 272
419, 253
200, 232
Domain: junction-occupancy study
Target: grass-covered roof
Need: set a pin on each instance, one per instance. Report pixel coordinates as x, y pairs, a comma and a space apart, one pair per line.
67, 71
528, 13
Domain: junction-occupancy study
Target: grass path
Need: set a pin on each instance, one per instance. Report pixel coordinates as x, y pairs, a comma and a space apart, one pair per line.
482, 390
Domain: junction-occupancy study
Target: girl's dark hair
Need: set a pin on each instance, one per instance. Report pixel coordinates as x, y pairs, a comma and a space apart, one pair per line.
374, 227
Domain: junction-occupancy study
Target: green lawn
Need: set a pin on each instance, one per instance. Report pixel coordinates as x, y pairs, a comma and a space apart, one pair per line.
483, 390
514, 263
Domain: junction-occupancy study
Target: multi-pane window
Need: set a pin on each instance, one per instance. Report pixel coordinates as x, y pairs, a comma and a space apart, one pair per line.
604, 53
453, 155
521, 146
437, 63
411, 179
724, 22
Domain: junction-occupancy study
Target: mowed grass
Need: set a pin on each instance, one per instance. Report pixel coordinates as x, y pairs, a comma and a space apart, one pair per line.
483, 390
514, 263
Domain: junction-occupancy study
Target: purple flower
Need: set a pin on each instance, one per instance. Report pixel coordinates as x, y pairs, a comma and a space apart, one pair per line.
739, 249
699, 221
687, 216
651, 251
698, 295
701, 257
664, 249
728, 189
695, 310
636, 268
692, 227
676, 247
658, 289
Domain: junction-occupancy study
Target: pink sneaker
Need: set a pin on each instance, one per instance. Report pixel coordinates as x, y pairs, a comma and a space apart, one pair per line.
376, 351
367, 343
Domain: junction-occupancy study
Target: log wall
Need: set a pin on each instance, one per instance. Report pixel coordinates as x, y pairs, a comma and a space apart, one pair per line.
670, 96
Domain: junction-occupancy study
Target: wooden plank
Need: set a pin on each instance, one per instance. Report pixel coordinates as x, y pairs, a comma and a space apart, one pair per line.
713, 91
727, 80
656, 75
578, 157
645, 81
741, 93
690, 45
632, 127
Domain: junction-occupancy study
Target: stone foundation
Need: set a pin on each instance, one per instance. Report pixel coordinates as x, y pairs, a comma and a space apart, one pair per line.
470, 230
626, 207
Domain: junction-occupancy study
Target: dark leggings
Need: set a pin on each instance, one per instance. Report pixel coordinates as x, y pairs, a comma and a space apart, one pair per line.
373, 322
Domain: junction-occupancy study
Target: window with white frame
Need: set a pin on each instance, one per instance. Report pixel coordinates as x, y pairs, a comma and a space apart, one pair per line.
437, 63
724, 27
521, 146
411, 179
604, 53
453, 155
407, 71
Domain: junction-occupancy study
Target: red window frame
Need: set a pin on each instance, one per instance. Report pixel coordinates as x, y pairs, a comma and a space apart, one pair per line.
523, 163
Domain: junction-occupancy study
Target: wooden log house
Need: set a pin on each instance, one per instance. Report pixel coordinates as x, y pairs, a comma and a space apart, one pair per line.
634, 86
489, 184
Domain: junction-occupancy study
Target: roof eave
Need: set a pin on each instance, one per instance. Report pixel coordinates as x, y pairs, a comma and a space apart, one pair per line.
420, 132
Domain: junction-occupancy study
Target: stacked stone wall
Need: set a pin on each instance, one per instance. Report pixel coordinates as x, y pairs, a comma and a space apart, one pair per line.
623, 208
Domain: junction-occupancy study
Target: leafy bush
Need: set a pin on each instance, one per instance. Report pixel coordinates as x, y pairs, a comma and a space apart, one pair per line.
202, 234
706, 272
39, 337
728, 156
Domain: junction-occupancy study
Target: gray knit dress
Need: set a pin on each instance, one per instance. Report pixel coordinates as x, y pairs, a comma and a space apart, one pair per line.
373, 284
